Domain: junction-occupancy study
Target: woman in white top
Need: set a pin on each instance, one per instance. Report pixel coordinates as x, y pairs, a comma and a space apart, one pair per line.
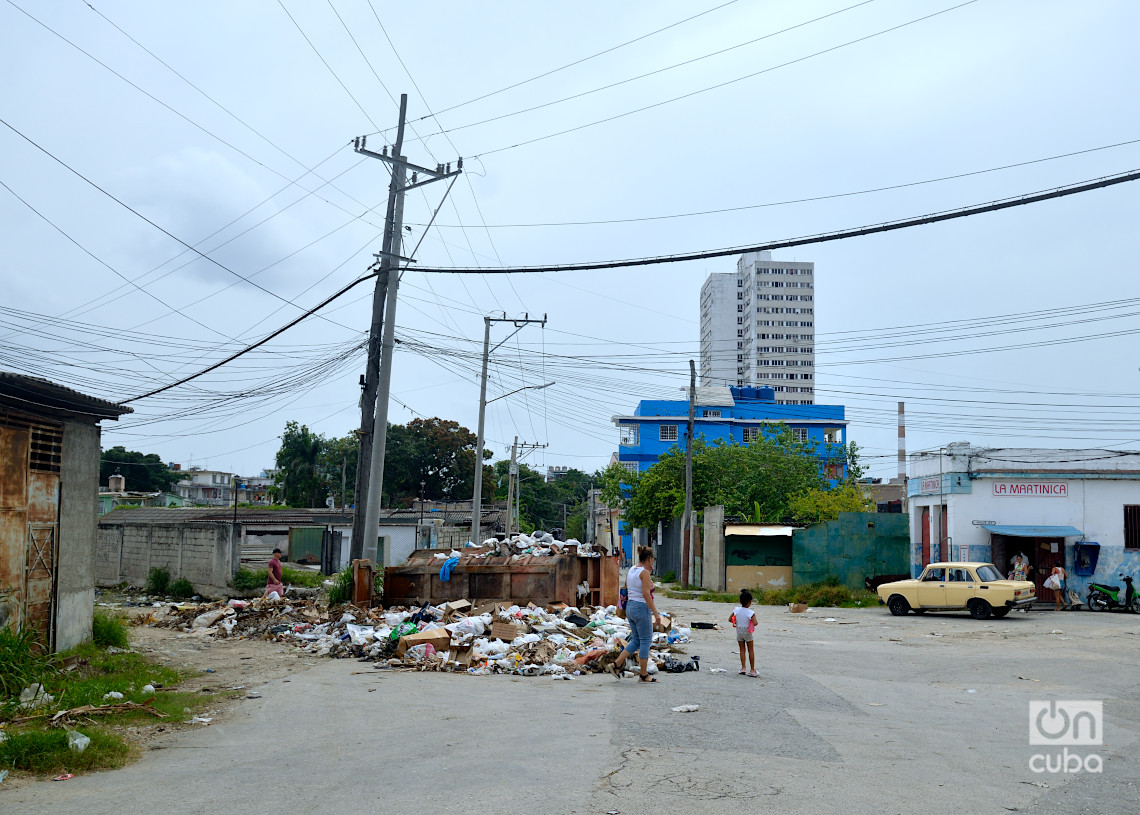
639, 586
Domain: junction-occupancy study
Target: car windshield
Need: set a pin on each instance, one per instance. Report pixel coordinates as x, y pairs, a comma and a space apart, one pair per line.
988, 573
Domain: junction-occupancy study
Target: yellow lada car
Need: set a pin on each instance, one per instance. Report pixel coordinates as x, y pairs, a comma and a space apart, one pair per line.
977, 587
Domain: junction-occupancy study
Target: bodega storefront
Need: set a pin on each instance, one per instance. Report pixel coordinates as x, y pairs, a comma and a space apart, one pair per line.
1079, 509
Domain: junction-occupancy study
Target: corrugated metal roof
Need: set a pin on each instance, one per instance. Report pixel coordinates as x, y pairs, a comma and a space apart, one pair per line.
1018, 531
293, 516
759, 529
36, 392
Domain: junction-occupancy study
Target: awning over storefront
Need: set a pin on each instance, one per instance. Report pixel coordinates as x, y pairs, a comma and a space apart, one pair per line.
1034, 531
758, 529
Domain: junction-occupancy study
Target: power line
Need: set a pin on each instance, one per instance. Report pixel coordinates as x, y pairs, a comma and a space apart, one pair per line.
655, 72
824, 237
829, 197
563, 67
721, 84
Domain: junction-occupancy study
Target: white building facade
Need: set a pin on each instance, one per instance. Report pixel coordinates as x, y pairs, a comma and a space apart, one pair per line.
1079, 509
758, 327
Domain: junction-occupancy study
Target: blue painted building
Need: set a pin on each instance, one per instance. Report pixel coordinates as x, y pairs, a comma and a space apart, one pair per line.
738, 415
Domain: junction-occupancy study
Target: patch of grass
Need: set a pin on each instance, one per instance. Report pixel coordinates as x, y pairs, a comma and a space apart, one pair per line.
669, 577
341, 589
181, 589
109, 630
245, 579
824, 594
33, 749
158, 581
23, 660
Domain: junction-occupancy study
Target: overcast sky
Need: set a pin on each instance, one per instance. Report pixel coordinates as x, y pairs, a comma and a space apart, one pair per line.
254, 94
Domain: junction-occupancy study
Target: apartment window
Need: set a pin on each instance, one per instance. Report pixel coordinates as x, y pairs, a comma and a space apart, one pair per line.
712, 414
740, 357
740, 307
1132, 527
630, 466
740, 321
750, 433
740, 295
831, 472
739, 282
629, 435
740, 332
667, 432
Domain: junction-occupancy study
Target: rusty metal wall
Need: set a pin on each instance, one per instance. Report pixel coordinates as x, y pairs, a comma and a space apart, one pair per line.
29, 520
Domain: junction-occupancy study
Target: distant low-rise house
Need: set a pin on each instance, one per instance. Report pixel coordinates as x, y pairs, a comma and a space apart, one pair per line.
116, 495
206, 488
49, 480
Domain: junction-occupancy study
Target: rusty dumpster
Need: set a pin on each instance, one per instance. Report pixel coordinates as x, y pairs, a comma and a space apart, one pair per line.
483, 575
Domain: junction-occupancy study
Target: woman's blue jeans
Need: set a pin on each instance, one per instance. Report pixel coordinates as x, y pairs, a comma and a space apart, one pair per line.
641, 626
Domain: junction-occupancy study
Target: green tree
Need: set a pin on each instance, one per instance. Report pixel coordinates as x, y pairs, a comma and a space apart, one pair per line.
338, 453
817, 505
299, 472
439, 452
757, 480
144, 472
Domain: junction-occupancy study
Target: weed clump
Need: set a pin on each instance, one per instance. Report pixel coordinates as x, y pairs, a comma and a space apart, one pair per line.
158, 581
109, 630
23, 660
181, 589
46, 751
341, 590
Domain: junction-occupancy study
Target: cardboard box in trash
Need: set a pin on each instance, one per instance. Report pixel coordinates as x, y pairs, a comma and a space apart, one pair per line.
666, 624
439, 638
505, 631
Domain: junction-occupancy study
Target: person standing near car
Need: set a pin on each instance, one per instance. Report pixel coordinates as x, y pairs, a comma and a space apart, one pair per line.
639, 586
1056, 582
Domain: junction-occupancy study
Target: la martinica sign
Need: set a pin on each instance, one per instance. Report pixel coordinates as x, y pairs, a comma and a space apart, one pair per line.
1037, 489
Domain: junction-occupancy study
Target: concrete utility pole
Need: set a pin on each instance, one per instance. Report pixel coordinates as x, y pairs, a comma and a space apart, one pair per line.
377, 382
477, 497
687, 525
512, 481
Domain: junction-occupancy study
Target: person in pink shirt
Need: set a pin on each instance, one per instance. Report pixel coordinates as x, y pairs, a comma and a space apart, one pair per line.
273, 580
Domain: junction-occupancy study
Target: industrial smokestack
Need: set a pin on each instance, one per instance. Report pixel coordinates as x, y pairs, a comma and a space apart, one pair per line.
902, 442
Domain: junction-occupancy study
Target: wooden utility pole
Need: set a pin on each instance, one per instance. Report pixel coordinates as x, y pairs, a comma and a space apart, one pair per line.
687, 523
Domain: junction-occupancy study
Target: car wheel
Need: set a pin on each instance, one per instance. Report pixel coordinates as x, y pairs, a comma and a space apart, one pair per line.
980, 609
1000, 612
1097, 602
898, 605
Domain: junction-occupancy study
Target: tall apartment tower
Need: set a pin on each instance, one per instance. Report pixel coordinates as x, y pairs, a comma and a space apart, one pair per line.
758, 327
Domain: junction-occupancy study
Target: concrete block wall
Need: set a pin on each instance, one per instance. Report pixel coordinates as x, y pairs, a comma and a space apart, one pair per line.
205, 553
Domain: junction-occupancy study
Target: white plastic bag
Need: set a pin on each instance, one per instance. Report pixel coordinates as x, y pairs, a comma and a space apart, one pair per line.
76, 741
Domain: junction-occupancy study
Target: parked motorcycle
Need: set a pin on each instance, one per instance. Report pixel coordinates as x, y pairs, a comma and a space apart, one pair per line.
1102, 597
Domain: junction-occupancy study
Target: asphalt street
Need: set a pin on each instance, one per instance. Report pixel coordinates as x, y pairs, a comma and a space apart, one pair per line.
855, 711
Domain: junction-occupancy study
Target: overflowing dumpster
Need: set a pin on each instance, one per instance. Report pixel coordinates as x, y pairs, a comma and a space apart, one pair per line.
563, 574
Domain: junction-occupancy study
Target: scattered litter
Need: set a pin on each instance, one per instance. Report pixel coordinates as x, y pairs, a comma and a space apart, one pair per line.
875, 704
830, 620
686, 708
1056, 631
201, 720
253, 695
1036, 784
718, 670
972, 690
77, 742
704, 626
1027, 679
64, 777
797, 608
148, 689
3, 775
35, 696
461, 635
113, 694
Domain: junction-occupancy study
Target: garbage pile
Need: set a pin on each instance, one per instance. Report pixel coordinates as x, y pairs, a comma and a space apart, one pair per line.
560, 641
538, 543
